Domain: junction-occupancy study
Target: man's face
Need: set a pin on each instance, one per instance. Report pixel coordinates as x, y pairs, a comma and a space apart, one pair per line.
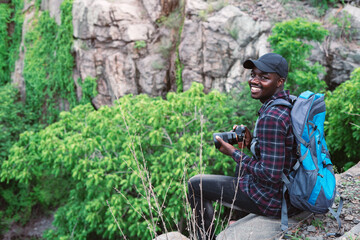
263, 85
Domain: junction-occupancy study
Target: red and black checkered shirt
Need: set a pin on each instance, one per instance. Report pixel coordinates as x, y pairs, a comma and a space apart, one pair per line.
261, 178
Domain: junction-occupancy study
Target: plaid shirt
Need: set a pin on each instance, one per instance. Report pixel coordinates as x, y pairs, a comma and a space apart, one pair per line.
261, 178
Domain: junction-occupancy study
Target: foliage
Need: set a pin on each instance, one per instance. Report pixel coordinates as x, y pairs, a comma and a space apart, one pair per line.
243, 105
178, 73
140, 44
49, 64
178, 65
323, 4
343, 118
48, 77
88, 88
11, 119
14, 119
144, 147
17, 20
5, 16
289, 40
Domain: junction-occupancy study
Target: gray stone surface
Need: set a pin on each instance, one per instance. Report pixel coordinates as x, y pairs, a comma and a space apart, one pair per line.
354, 233
53, 6
257, 227
171, 236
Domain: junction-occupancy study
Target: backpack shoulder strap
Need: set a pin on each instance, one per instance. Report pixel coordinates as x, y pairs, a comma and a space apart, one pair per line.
279, 101
282, 102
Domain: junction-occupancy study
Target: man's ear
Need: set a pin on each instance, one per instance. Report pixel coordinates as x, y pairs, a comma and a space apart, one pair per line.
280, 82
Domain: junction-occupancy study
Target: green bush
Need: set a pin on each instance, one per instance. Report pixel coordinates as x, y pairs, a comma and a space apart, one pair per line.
343, 119
14, 119
5, 16
291, 40
88, 88
144, 147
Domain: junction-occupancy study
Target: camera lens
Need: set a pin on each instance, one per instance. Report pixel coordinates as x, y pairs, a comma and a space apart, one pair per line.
229, 137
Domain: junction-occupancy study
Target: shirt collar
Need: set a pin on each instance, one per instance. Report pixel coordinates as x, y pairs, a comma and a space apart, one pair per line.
282, 94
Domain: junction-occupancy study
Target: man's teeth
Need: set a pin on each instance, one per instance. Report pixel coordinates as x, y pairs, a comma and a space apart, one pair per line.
255, 89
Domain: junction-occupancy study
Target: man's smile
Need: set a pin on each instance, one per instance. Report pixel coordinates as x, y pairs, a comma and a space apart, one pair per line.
255, 89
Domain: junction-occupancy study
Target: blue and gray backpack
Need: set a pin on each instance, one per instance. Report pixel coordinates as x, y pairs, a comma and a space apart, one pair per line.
311, 184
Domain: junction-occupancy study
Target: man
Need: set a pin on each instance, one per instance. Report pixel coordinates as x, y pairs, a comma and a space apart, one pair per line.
258, 189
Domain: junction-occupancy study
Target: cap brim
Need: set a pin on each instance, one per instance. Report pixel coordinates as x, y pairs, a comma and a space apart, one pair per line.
249, 64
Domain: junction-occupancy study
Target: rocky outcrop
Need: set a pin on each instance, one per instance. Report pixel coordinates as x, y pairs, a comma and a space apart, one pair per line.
129, 46
340, 52
212, 51
120, 44
216, 38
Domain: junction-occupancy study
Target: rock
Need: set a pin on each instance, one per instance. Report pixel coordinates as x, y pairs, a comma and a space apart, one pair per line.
349, 218
315, 238
171, 236
153, 9
152, 71
195, 6
227, 38
190, 53
53, 6
354, 12
248, 227
311, 228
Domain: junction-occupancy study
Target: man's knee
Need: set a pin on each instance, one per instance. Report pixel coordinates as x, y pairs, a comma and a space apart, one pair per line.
193, 183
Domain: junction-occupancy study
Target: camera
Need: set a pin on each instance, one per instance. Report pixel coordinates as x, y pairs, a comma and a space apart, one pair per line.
233, 137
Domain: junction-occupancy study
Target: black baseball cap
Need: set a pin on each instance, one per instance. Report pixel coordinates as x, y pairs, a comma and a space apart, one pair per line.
270, 62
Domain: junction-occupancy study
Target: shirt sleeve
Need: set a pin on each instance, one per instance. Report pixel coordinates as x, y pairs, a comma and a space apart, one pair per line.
271, 136
240, 156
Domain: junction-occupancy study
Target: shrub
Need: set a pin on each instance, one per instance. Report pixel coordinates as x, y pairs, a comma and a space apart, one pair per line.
343, 119
143, 147
88, 88
14, 119
291, 40
5, 16
139, 44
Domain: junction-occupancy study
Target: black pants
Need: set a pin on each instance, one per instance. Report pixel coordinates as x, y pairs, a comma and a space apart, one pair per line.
205, 189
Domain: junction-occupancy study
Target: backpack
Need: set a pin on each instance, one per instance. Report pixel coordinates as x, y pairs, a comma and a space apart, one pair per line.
311, 184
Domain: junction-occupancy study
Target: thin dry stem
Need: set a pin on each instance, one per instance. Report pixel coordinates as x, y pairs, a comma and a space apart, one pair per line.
115, 219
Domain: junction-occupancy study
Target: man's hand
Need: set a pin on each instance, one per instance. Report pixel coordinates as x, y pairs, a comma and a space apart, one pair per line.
247, 138
225, 148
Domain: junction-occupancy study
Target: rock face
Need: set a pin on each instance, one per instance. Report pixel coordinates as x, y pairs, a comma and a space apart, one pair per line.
106, 36
212, 51
129, 46
212, 47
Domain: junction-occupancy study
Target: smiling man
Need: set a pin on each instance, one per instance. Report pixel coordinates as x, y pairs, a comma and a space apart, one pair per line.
258, 189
